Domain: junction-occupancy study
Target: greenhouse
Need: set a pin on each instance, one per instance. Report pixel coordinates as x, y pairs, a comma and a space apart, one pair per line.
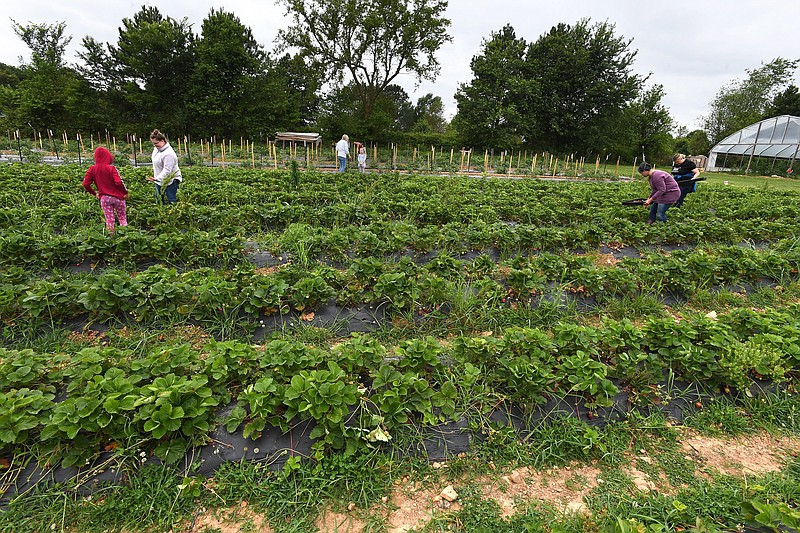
762, 144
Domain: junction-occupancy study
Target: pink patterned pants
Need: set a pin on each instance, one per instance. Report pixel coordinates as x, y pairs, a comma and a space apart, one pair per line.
112, 205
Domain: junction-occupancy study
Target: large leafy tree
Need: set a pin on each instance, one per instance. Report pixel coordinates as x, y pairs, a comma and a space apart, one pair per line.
584, 84
153, 59
41, 96
342, 112
491, 106
369, 43
644, 127
743, 102
228, 61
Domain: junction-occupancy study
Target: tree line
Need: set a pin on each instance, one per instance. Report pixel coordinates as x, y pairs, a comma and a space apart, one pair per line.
571, 90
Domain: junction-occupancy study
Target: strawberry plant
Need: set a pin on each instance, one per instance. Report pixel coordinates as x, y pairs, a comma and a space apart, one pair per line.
22, 368
359, 354
176, 407
287, 358
398, 288
324, 396
310, 292
264, 401
22, 411
265, 295
400, 397
589, 377
421, 356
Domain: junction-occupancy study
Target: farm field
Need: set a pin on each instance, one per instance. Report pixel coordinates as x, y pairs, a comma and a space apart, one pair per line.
298, 350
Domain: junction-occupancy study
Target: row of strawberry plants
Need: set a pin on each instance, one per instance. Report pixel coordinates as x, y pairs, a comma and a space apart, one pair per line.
206, 294
333, 200
306, 242
193, 247
361, 393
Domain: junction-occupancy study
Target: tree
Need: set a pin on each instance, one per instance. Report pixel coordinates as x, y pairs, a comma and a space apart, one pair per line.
745, 102
154, 58
342, 112
369, 42
490, 106
786, 102
429, 115
40, 98
698, 143
46, 41
644, 127
228, 61
584, 82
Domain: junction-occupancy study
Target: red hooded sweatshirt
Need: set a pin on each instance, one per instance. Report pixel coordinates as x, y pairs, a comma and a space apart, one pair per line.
104, 175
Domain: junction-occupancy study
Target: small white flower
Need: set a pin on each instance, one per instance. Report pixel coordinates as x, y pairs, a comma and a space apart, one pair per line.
255, 450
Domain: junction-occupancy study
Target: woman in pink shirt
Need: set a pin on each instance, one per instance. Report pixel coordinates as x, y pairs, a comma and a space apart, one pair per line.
664, 191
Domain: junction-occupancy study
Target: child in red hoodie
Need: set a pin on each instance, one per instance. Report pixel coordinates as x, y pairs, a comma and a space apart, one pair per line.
110, 188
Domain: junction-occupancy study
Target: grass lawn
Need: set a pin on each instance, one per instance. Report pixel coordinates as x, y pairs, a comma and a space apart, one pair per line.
763, 182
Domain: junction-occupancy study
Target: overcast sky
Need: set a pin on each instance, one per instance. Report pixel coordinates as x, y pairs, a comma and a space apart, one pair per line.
693, 48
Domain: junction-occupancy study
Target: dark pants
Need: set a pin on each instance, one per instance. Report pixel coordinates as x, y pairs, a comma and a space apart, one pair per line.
686, 188
170, 192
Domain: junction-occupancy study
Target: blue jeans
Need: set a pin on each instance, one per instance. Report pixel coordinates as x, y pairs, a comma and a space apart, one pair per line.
658, 212
342, 163
170, 191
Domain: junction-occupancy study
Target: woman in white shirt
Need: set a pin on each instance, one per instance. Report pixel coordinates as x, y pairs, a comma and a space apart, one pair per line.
166, 173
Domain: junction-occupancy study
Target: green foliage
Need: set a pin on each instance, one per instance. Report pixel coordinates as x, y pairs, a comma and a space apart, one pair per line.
491, 106
22, 410
581, 70
744, 102
776, 517
344, 38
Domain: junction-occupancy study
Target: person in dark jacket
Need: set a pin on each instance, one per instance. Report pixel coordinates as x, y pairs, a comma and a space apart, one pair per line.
110, 188
664, 192
684, 171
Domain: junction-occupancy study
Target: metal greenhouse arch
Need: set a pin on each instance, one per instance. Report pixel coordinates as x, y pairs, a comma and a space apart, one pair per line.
775, 138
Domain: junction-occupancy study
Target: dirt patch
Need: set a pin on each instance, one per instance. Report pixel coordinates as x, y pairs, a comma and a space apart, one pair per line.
562, 487
230, 520
414, 506
745, 455
602, 260
88, 336
329, 520
266, 271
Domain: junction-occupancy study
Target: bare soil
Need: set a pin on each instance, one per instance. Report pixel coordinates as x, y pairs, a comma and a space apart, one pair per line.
413, 504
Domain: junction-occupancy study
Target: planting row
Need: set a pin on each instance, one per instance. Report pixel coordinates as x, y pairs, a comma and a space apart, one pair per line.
306, 244
252, 200
359, 393
159, 293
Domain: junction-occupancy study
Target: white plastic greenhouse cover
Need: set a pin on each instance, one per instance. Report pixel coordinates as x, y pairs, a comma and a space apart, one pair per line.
777, 137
